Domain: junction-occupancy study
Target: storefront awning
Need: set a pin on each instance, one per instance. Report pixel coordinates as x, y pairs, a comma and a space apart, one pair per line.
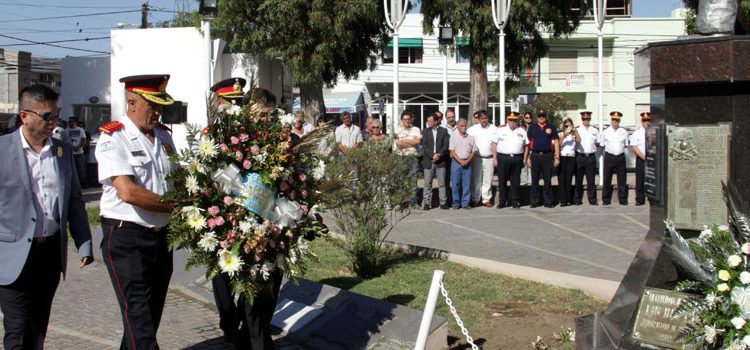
407, 42
339, 102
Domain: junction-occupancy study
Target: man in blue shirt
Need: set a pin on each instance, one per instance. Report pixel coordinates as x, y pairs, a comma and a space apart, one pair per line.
544, 155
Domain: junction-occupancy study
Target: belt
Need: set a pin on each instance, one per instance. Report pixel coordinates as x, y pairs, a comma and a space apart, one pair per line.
130, 225
485, 157
510, 154
615, 155
41, 240
541, 152
586, 154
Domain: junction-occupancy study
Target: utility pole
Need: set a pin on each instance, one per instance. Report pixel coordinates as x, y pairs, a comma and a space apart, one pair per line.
144, 15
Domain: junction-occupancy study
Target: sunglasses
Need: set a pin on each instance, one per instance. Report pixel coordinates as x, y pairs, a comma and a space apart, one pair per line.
46, 116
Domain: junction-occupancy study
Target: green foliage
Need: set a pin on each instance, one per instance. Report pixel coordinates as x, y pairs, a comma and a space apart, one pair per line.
318, 39
372, 206
93, 215
554, 104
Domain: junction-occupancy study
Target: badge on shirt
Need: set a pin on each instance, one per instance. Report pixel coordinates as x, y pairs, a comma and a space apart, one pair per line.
105, 146
520, 136
59, 152
138, 153
548, 131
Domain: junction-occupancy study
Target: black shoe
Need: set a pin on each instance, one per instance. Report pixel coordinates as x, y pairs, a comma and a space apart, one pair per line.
501, 206
426, 208
445, 207
549, 205
534, 206
605, 203
639, 204
623, 203
456, 207
516, 206
593, 203
577, 203
564, 204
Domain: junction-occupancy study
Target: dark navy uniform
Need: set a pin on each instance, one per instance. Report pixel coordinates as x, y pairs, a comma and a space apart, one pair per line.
543, 150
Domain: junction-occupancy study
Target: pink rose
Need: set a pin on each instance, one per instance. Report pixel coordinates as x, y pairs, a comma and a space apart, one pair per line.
303, 207
213, 210
228, 201
302, 177
255, 150
231, 237
283, 186
242, 237
244, 137
234, 140
211, 223
219, 221
223, 147
238, 155
247, 164
224, 244
304, 193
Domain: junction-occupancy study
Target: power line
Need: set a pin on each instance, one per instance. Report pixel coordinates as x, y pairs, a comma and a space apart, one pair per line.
73, 16
57, 41
53, 45
64, 7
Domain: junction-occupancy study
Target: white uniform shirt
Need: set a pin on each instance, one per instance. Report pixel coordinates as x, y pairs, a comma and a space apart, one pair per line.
484, 138
589, 137
567, 145
349, 137
128, 151
639, 139
615, 141
43, 176
511, 141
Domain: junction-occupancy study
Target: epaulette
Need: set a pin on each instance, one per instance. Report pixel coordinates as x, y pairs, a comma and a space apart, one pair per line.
162, 126
111, 127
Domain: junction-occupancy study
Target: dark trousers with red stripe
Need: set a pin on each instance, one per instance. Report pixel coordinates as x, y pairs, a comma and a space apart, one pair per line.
26, 302
140, 266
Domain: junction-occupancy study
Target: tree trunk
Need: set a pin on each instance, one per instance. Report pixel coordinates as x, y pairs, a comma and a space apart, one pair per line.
478, 92
311, 97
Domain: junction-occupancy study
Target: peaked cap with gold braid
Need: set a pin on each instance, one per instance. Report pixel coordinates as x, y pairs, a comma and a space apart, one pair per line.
152, 87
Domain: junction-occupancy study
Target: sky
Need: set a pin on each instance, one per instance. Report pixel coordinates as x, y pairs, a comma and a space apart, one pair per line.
26, 22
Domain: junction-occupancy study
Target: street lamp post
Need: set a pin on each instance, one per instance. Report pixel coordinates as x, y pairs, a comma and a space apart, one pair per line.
394, 17
445, 38
599, 16
208, 9
500, 11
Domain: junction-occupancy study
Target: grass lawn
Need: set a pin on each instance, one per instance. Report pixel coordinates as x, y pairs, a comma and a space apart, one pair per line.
93, 214
479, 296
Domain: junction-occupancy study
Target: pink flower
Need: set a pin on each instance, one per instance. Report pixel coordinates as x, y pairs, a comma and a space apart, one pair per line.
234, 140
207, 192
246, 248
211, 223
238, 155
224, 244
283, 186
304, 193
231, 237
247, 164
302, 177
255, 150
219, 221
213, 210
228, 200
303, 207
223, 147
244, 137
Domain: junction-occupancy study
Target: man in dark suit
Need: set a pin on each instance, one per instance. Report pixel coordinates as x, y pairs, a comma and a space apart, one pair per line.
435, 142
39, 197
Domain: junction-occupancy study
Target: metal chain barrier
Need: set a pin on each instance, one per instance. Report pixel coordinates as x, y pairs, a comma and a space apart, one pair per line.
460, 323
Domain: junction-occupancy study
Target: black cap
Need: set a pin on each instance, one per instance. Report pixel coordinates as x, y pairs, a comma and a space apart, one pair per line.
151, 87
541, 113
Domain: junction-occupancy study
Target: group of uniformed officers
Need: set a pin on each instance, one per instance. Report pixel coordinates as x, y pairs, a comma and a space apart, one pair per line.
541, 147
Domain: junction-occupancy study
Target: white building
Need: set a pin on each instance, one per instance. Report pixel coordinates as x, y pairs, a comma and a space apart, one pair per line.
569, 69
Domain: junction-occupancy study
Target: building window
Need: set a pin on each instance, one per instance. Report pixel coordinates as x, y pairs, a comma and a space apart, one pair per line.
615, 8
462, 54
405, 55
562, 63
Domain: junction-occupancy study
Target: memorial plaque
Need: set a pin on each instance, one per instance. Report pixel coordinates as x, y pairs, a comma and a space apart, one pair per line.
697, 163
654, 323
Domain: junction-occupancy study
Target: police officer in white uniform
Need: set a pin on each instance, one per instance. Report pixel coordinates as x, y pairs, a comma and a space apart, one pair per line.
638, 144
482, 166
587, 137
133, 166
614, 139
512, 151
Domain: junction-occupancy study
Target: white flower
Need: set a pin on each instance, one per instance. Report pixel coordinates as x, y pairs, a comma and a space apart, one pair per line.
190, 211
711, 332
746, 248
723, 228
712, 299
229, 263
198, 167
208, 241
191, 184
246, 226
746, 340
724, 275
234, 110
265, 270
706, 233
197, 222
207, 148
287, 119
315, 209
260, 157
735, 345
738, 322
320, 170
722, 287
734, 260
745, 277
